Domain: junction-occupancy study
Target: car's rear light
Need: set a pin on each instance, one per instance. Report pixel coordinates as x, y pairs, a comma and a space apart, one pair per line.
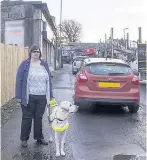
135, 80
82, 78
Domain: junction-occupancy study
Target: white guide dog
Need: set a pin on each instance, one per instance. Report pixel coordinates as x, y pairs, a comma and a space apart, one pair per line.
58, 118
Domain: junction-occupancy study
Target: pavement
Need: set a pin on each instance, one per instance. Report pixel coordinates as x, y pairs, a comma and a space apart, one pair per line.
97, 133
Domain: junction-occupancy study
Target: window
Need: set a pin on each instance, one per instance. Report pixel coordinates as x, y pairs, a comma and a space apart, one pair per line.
80, 58
108, 69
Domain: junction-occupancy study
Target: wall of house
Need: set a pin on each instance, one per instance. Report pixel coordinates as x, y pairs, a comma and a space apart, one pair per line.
22, 24
11, 13
48, 53
37, 27
29, 19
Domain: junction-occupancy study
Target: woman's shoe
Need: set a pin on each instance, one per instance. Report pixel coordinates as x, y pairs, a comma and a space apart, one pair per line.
24, 144
42, 141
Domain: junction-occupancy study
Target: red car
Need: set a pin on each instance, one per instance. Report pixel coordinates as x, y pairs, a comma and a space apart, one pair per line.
107, 81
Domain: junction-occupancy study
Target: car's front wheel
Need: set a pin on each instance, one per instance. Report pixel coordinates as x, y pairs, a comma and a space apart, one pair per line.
133, 108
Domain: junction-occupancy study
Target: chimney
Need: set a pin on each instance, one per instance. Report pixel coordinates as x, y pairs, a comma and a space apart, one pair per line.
127, 40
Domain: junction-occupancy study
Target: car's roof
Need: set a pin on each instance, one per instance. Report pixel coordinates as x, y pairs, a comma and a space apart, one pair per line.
111, 60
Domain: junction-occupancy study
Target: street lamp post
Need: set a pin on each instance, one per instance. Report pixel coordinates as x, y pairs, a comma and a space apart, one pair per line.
105, 45
140, 34
112, 45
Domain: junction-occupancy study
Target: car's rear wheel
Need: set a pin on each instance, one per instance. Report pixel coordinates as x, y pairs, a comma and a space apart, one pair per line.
82, 106
133, 108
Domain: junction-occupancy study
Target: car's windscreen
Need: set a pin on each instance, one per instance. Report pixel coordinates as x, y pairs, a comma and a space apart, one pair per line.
108, 69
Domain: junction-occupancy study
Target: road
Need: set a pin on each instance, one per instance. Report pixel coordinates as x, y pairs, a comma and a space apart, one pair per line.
98, 133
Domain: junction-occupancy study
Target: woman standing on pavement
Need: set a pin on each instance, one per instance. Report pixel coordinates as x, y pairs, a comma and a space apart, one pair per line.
33, 91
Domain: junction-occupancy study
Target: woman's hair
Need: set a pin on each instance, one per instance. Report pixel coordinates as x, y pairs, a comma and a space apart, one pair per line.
34, 47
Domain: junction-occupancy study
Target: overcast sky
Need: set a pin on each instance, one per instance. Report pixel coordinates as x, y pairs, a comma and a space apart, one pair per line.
98, 16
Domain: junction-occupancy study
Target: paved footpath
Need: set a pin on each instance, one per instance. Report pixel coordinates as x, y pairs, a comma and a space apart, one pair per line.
10, 132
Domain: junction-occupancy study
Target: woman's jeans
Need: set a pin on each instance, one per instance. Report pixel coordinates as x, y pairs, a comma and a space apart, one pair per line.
34, 110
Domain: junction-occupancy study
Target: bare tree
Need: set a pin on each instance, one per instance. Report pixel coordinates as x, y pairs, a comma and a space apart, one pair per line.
71, 30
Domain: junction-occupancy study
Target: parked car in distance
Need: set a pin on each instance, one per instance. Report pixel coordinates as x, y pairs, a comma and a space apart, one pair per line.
76, 65
107, 81
66, 59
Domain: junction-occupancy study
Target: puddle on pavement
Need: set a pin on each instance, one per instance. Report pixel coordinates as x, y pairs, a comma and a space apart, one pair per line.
128, 157
107, 152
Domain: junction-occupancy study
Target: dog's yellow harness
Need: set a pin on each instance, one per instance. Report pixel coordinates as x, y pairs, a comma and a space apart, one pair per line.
60, 129
57, 129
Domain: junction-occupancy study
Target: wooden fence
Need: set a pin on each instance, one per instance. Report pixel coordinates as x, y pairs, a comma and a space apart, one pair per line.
10, 58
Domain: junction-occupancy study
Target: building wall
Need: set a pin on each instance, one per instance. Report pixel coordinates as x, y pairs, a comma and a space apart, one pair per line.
48, 53
31, 17
38, 27
52, 55
10, 12
50, 34
44, 50
18, 11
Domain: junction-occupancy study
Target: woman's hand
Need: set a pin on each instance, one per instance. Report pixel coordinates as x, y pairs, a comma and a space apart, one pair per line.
52, 102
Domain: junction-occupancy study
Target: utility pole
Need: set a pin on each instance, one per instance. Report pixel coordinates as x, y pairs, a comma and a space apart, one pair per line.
60, 59
127, 40
100, 48
140, 34
124, 36
112, 46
